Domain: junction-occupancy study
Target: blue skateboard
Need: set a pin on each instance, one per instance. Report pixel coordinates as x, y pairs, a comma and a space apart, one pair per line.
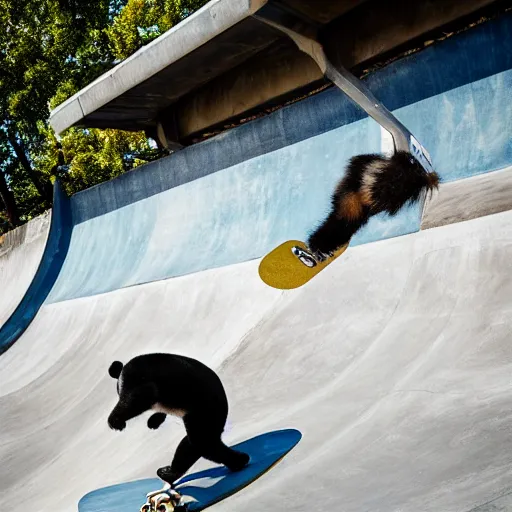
196, 491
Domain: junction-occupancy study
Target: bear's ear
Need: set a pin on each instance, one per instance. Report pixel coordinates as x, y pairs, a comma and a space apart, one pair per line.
115, 369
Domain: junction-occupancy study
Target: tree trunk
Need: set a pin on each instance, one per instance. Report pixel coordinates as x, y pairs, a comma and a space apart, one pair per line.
8, 199
43, 188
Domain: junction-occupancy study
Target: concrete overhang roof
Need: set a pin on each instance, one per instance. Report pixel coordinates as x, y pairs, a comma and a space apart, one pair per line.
223, 61
215, 39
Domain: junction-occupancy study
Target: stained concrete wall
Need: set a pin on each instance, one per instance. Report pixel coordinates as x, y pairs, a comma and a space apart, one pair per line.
20, 253
454, 95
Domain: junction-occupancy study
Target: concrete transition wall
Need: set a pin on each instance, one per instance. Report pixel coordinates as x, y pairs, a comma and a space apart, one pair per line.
235, 197
42, 280
20, 254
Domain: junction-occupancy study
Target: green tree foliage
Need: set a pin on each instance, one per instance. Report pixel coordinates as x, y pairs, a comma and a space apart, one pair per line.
91, 156
141, 21
39, 45
49, 49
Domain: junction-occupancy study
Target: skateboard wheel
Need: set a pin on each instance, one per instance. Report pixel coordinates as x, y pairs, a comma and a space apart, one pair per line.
165, 507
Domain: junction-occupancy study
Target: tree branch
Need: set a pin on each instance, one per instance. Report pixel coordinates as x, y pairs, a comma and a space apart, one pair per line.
18, 147
9, 202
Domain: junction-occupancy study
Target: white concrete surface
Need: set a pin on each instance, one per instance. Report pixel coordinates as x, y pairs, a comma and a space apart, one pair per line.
469, 198
395, 363
20, 253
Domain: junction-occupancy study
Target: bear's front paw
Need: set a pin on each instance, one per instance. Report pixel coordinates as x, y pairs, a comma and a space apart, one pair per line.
116, 423
156, 420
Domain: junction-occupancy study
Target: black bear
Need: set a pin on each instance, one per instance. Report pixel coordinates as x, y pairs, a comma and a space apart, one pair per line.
372, 184
184, 387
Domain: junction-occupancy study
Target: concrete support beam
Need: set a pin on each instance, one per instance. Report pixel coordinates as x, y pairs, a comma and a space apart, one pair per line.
211, 41
167, 133
272, 74
322, 11
378, 27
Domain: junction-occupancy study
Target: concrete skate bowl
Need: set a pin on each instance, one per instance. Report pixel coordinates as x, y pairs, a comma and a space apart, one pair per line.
394, 363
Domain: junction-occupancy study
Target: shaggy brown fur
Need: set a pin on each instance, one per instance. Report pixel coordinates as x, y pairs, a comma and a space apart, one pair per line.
372, 184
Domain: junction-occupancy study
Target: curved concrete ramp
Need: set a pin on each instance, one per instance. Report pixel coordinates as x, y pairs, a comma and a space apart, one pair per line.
20, 253
395, 363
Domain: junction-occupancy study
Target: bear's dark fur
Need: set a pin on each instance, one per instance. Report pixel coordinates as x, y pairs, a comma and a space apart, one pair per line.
178, 385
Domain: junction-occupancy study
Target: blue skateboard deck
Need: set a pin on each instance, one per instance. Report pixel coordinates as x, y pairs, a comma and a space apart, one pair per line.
201, 489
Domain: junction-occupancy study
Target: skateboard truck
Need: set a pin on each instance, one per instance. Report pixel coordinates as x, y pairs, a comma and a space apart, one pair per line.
308, 258
304, 257
164, 500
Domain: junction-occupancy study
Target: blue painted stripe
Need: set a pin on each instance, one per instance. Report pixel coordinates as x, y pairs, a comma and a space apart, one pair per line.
52, 260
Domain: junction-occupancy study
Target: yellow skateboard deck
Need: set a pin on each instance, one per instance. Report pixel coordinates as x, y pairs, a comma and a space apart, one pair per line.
281, 269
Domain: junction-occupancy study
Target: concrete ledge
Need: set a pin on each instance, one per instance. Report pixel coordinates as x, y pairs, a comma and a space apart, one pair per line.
66, 114
470, 198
